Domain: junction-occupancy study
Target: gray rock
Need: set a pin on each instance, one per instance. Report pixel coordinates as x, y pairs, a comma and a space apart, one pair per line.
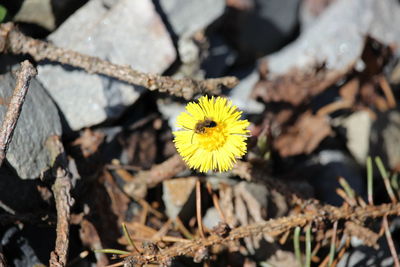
170, 110
220, 57
38, 120
367, 256
326, 42
310, 10
326, 167
240, 94
211, 218
358, 127
38, 12
267, 27
189, 16
385, 139
176, 193
129, 32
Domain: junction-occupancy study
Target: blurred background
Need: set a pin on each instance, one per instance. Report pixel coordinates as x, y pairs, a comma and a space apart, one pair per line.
318, 80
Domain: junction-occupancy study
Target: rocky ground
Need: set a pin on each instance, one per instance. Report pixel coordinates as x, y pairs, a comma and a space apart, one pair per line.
90, 175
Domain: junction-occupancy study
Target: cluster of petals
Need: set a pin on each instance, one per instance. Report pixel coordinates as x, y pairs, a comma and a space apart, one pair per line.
215, 147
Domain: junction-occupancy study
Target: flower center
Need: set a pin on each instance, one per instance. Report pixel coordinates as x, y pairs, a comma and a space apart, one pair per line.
213, 138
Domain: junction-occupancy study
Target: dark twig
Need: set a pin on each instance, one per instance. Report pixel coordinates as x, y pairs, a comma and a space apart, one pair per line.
61, 189
24, 77
3, 262
15, 42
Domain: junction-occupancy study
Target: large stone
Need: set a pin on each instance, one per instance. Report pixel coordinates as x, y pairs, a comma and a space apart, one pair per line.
189, 16
385, 139
176, 194
323, 170
38, 120
241, 94
266, 27
38, 12
358, 127
128, 32
326, 42
186, 18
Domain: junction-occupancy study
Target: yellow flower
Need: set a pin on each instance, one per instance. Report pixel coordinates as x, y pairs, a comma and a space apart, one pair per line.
212, 134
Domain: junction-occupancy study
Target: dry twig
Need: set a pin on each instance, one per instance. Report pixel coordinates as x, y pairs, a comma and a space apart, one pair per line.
24, 76
61, 189
198, 209
137, 188
390, 242
13, 41
273, 227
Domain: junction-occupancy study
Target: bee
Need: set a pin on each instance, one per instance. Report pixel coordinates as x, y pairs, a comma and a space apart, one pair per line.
200, 127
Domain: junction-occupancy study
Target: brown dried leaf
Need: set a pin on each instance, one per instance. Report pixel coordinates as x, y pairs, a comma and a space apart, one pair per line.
90, 238
226, 203
304, 136
89, 142
119, 201
295, 87
349, 90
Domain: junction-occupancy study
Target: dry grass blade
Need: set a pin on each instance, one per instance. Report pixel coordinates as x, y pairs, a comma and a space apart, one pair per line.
385, 178
296, 244
370, 181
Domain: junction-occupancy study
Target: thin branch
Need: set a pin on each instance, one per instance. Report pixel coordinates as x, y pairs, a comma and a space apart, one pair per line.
390, 242
273, 227
13, 41
143, 180
24, 76
61, 189
216, 202
387, 90
198, 209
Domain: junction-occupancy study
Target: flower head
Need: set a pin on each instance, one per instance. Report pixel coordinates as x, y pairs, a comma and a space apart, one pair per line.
212, 134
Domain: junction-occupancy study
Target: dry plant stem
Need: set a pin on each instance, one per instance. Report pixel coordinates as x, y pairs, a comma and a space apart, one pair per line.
17, 43
275, 227
345, 197
215, 201
390, 242
198, 209
181, 227
137, 188
387, 90
61, 189
24, 76
3, 262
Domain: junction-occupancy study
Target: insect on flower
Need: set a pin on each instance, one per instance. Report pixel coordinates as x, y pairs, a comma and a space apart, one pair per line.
211, 134
200, 127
